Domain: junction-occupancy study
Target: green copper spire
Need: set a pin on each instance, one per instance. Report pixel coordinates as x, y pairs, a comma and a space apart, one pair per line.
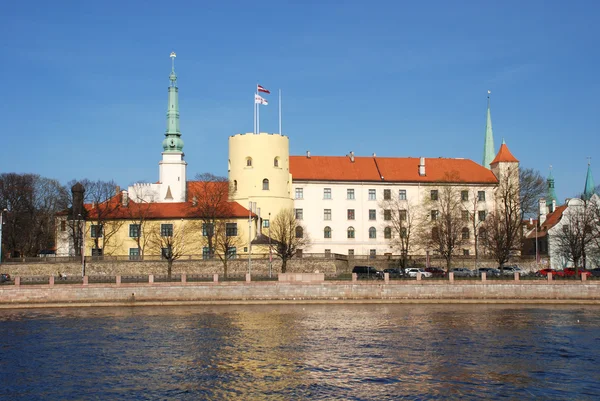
551, 194
589, 183
488, 144
173, 141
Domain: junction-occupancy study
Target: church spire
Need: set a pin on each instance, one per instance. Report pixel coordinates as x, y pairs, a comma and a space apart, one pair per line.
488, 144
590, 188
173, 141
551, 192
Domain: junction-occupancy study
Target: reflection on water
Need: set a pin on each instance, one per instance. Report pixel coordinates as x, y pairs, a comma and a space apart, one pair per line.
346, 352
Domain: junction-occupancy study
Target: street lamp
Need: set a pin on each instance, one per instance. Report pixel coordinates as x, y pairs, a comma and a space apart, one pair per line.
270, 250
1, 224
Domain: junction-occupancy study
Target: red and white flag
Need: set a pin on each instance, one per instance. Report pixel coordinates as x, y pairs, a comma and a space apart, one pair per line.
261, 89
260, 100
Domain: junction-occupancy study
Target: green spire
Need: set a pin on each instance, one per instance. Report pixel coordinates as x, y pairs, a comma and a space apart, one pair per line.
589, 183
551, 195
488, 144
173, 141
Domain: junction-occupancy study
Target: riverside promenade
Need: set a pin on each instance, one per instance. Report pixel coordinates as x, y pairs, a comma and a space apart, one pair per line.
298, 288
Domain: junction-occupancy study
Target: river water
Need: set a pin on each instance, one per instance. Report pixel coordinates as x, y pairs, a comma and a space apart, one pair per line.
301, 352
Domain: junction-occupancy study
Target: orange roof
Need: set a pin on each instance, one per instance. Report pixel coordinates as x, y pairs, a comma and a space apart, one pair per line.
504, 155
388, 169
551, 220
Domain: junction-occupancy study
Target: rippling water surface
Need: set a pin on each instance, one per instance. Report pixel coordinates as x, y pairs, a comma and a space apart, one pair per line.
345, 352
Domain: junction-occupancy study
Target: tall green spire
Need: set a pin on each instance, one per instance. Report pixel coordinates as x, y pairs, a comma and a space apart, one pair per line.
173, 141
551, 195
488, 144
589, 183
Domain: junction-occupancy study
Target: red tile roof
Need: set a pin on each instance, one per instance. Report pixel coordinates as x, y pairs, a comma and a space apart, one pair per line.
504, 155
388, 169
551, 220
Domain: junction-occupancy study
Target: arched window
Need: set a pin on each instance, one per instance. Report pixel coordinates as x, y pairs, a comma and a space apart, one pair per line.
276, 162
299, 232
265, 185
387, 232
350, 232
327, 232
372, 232
248, 161
228, 165
234, 185
434, 234
465, 233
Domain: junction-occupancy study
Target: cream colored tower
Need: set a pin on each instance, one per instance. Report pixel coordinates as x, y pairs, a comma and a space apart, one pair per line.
259, 171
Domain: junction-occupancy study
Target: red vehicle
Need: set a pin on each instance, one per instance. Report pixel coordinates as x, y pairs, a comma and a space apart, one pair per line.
544, 272
436, 271
570, 272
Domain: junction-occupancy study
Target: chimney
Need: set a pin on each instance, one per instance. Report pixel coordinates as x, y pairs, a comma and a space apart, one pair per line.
352, 156
374, 155
117, 190
543, 210
124, 198
422, 167
94, 204
308, 154
553, 205
195, 201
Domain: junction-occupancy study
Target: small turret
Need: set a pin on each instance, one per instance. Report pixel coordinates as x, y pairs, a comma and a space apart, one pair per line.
551, 193
488, 144
590, 187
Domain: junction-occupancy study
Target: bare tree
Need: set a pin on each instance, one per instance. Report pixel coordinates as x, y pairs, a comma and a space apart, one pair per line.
288, 236
473, 217
532, 187
139, 212
226, 240
503, 225
575, 232
168, 240
401, 219
103, 216
442, 223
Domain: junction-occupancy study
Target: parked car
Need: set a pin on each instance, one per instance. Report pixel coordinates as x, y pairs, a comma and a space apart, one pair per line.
512, 269
489, 271
436, 271
462, 272
368, 272
412, 272
394, 273
595, 272
544, 272
4, 277
570, 272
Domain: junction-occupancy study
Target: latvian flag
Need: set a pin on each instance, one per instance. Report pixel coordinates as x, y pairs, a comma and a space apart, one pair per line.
260, 100
261, 89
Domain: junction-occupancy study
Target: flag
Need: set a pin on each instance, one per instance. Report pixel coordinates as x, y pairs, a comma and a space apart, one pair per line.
261, 89
260, 100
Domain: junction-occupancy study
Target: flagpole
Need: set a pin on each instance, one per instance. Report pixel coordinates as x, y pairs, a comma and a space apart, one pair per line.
258, 118
280, 133
255, 105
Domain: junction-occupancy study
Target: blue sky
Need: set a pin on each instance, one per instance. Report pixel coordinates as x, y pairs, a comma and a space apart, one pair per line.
85, 83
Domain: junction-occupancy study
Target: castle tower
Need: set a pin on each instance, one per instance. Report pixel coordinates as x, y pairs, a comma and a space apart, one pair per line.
488, 144
172, 167
505, 165
259, 171
551, 199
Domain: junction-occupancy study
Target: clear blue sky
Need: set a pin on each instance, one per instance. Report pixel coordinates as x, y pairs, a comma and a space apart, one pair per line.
85, 83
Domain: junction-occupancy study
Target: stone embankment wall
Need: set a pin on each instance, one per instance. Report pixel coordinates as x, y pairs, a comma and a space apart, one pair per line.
274, 291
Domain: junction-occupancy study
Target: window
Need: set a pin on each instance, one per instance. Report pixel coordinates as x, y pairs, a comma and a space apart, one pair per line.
327, 253
387, 194
464, 195
96, 230
234, 185
134, 231
299, 214
350, 232
299, 193
231, 229
327, 214
481, 215
63, 225
205, 252
349, 194
327, 193
372, 232
248, 162
402, 194
403, 232
327, 232
372, 194
208, 230
266, 223
565, 229
482, 234
465, 233
387, 214
387, 233
166, 253
481, 196
265, 184
350, 252
435, 236
434, 194
232, 250
299, 232
134, 253
276, 162
166, 230
350, 214
402, 214
97, 252
372, 214
465, 252
434, 215
464, 214
372, 253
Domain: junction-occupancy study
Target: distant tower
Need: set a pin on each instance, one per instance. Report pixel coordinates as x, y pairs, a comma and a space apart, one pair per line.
259, 171
551, 194
172, 167
504, 164
488, 144
590, 188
